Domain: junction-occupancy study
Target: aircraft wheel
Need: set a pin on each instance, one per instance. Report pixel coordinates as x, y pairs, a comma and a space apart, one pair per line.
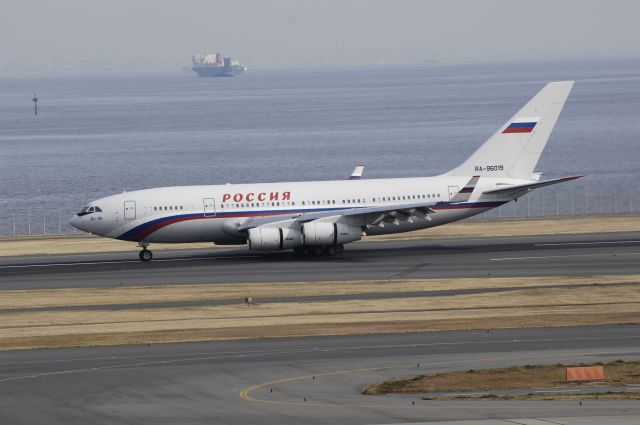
145, 255
339, 249
317, 251
330, 250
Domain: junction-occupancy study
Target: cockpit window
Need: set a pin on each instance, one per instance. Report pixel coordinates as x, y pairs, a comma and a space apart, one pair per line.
88, 210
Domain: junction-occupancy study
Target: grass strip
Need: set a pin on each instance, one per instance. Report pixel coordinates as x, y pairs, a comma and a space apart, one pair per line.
617, 374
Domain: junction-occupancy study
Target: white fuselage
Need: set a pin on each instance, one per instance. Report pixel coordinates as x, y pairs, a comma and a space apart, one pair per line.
321, 216
213, 213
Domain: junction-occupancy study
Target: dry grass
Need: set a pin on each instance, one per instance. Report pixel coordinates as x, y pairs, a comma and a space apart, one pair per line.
122, 295
479, 228
43, 327
610, 395
617, 373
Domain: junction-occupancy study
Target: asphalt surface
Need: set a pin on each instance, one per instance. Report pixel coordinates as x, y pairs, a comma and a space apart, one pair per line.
267, 381
310, 380
589, 254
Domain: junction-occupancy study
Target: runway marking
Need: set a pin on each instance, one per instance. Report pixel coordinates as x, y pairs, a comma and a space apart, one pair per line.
112, 253
237, 354
546, 257
94, 263
327, 349
466, 394
147, 356
148, 363
584, 243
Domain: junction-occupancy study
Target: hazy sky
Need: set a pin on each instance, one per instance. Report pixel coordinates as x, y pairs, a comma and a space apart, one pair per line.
78, 36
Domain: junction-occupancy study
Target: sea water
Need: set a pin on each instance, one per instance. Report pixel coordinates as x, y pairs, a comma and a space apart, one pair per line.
99, 135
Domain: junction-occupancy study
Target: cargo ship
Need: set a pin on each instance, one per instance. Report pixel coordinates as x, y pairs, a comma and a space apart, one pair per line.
216, 66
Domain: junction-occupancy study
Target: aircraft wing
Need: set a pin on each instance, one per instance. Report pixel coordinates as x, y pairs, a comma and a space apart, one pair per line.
528, 187
363, 215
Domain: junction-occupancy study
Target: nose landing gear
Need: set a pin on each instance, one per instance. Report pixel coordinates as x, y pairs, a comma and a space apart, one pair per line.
145, 254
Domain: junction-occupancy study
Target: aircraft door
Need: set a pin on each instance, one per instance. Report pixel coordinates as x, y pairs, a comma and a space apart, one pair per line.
129, 210
453, 190
209, 207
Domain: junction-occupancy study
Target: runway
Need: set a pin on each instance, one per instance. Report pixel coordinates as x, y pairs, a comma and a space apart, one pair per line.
311, 380
267, 381
587, 254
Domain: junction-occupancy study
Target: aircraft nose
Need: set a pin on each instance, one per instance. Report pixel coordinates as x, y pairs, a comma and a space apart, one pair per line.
75, 222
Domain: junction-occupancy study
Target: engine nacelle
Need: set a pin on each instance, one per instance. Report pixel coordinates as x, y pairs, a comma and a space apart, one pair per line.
323, 233
273, 239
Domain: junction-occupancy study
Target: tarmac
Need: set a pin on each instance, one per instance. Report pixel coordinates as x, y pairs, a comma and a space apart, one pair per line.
304, 380
312, 380
567, 255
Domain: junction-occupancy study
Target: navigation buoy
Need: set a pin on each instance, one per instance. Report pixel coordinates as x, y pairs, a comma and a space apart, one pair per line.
35, 103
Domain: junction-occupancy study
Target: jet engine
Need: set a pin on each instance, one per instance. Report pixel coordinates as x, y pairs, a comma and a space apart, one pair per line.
273, 239
323, 233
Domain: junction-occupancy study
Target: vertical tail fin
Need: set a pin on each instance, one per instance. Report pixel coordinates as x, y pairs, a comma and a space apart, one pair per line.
514, 150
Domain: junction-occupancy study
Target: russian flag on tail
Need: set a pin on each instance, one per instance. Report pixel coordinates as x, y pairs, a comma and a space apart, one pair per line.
521, 125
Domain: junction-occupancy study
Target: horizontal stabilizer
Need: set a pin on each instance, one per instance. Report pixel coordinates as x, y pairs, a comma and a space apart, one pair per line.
528, 187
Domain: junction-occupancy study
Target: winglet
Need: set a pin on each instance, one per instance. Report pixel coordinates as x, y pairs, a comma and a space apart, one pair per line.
465, 193
357, 173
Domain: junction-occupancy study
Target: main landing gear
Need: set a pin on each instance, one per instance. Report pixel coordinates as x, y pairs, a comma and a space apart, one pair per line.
318, 250
145, 254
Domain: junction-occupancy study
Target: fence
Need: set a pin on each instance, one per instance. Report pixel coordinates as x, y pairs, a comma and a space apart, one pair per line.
32, 223
569, 204
56, 222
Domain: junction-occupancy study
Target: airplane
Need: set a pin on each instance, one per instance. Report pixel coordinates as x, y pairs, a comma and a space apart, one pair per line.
317, 218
